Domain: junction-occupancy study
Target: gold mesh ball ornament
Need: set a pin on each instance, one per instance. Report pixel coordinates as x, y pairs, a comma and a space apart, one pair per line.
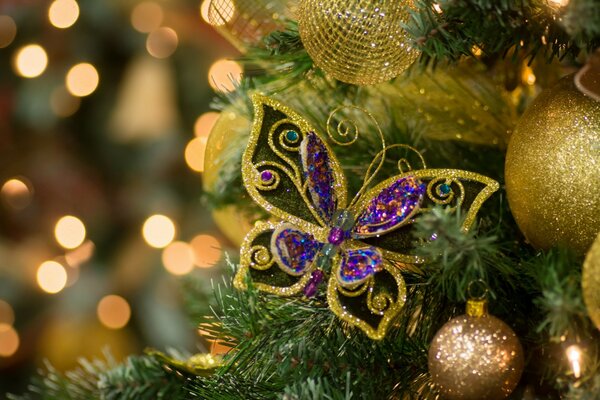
475, 356
360, 42
553, 169
246, 22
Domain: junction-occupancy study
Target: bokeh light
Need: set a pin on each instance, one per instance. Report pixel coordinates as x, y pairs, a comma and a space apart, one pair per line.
113, 311
51, 277
82, 79
9, 340
146, 16
63, 13
158, 231
162, 42
16, 193
178, 258
194, 153
8, 31
207, 250
225, 75
219, 14
81, 254
204, 123
63, 103
69, 232
7, 315
30, 61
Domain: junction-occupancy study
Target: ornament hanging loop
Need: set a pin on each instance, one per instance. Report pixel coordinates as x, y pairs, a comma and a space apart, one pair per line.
477, 303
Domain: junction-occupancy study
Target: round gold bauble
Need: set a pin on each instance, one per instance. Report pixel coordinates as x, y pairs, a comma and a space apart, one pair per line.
359, 42
590, 282
225, 142
553, 169
475, 358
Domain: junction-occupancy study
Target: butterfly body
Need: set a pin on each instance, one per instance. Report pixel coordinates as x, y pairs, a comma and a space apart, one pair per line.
360, 247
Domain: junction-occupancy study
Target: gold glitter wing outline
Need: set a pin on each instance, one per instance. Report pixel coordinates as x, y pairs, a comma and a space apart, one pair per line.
247, 251
490, 187
335, 289
250, 173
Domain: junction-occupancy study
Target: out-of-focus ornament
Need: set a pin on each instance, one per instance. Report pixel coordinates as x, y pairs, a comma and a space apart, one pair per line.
358, 42
587, 79
202, 364
246, 22
590, 282
553, 169
475, 356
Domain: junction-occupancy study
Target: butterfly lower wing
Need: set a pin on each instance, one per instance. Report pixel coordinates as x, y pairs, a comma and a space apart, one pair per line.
372, 304
270, 260
455, 189
281, 148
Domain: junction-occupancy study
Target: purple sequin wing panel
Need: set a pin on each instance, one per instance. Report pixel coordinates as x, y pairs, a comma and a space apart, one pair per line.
293, 249
358, 264
318, 172
391, 207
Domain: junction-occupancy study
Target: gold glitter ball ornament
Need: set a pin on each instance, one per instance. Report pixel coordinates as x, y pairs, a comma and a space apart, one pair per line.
553, 169
475, 356
360, 42
590, 282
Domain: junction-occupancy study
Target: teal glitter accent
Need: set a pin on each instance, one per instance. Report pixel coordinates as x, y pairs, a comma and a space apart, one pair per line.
292, 136
444, 188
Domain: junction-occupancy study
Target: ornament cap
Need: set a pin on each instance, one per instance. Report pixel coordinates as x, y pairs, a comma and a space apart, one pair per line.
476, 307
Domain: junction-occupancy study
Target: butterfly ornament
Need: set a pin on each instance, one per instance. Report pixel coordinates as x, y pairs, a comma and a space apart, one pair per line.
359, 247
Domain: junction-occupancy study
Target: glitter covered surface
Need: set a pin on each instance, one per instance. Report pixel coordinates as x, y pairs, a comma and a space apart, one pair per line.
293, 249
392, 207
590, 282
358, 265
475, 358
553, 169
319, 175
360, 42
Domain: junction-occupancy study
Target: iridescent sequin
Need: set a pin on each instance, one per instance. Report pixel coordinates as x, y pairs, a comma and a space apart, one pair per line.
319, 175
391, 207
358, 265
294, 249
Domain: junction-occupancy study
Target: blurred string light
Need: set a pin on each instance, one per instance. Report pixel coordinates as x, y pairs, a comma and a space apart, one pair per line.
51, 277
194, 153
8, 31
81, 254
527, 76
63, 103
82, 80
146, 16
574, 356
162, 42
7, 315
113, 311
558, 3
207, 250
17, 193
69, 232
158, 231
63, 13
30, 61
219, 14
224, 75
9, 340
178, 258
204, 123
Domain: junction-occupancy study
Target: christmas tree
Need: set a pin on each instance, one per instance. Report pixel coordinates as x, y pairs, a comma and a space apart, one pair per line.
415, 191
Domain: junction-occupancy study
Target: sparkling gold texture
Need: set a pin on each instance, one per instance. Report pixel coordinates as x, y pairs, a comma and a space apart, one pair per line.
553, 169
590, 282
359, 42
475, 358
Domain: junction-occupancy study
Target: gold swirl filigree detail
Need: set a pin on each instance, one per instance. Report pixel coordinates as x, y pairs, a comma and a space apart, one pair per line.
379, 303
356, 290
273, 182
441, 197
261, 258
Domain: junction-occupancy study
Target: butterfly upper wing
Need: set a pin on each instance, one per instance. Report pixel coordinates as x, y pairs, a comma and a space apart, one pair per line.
388, 227
269, 256
276, 168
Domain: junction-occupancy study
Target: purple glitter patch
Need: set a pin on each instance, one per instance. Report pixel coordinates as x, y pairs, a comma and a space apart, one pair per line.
317, 171
336, 236
358, 265
313, 283
391, 207
294, 249
266, 176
